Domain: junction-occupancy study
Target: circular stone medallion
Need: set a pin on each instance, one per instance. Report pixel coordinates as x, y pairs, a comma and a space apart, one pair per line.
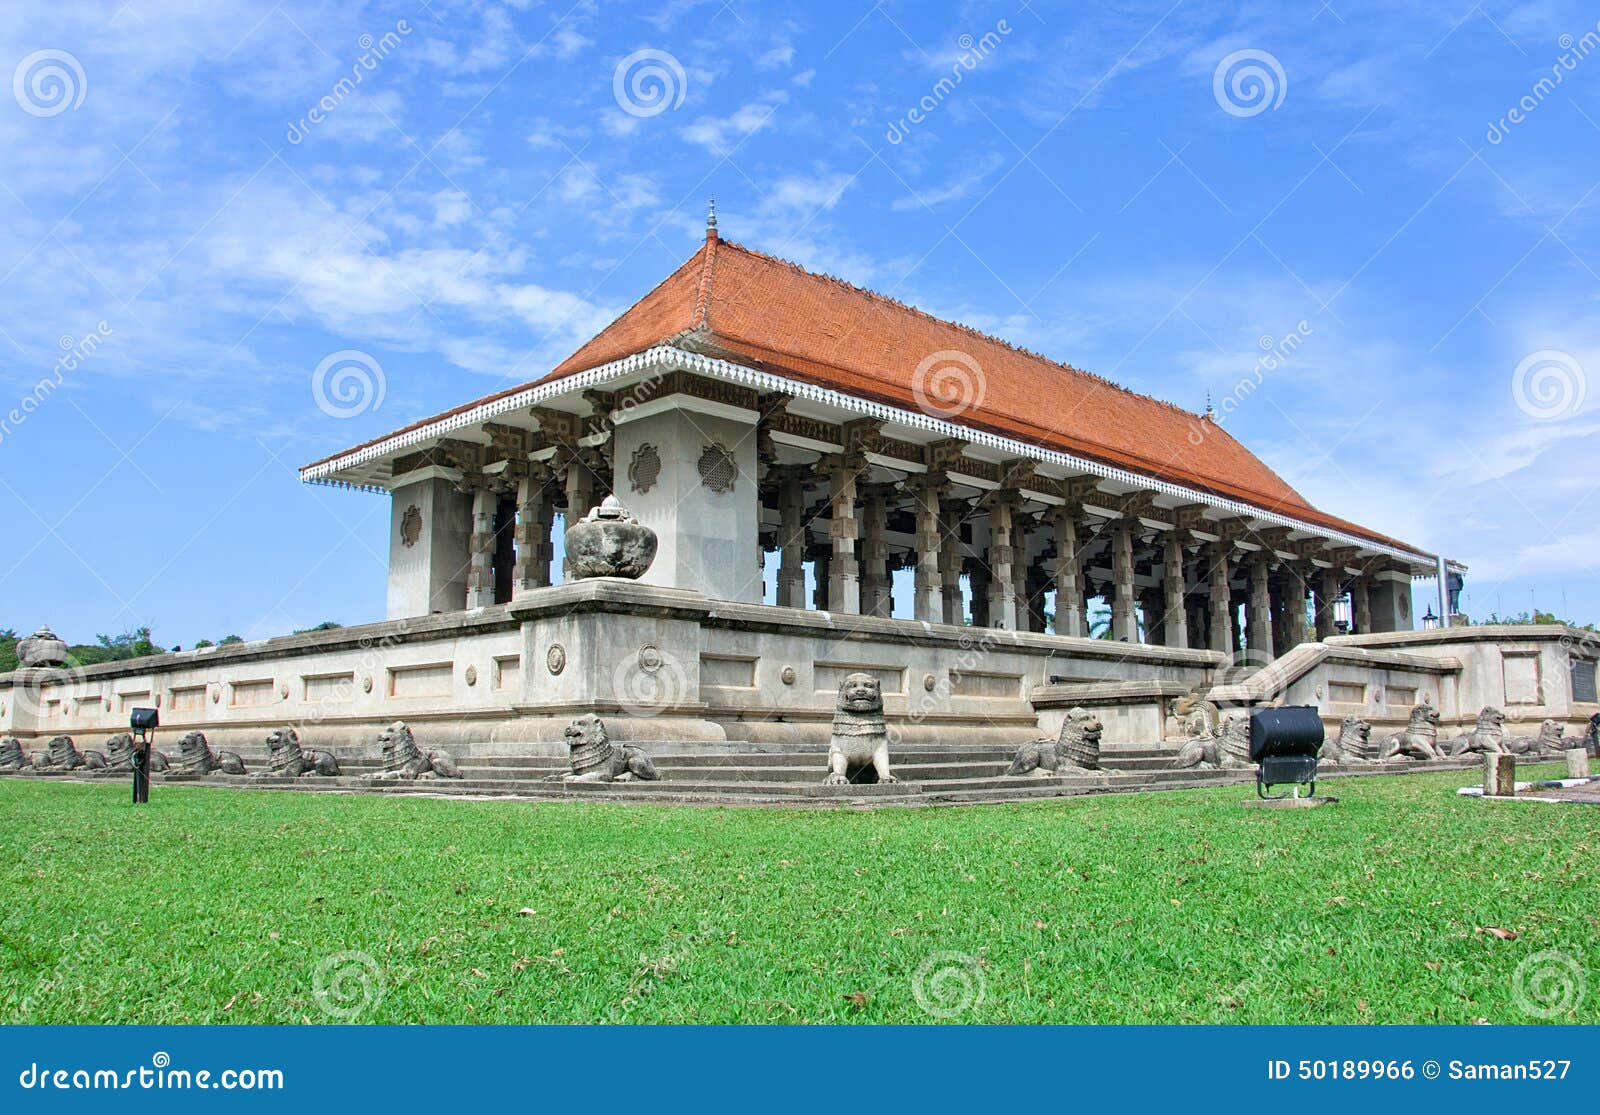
556, 658
650, 658
472, 676
788, 675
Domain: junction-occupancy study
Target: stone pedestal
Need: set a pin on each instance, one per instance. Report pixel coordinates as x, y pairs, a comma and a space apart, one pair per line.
1577, 763
1499, 776
430, 535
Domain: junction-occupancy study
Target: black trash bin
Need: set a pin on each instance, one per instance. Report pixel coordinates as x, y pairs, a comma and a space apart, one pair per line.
1284, 743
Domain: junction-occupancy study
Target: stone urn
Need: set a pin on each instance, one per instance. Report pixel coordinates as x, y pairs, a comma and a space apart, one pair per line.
43, 649
609, 542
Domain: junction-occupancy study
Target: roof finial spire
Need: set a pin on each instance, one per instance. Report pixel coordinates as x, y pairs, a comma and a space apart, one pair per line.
711, 220
1209, 412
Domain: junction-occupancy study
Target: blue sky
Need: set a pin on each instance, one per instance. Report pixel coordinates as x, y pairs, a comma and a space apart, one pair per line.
1097, 186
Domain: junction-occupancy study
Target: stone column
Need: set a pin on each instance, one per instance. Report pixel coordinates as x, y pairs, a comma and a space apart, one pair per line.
1124, 624
951, 512
1152, 603
1021, 600
1070, 617
1360, 606
844, 571
791, 539
979, 578
1327, 596
876, 597
1294, 602
535, 513
1002, 610
480, 562
579, 482
1259, 611
929, 603
819, 575
1038, 585
1220, 600
1177, 632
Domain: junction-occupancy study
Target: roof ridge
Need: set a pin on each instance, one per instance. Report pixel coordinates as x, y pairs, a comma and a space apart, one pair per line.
885, 299
702, 306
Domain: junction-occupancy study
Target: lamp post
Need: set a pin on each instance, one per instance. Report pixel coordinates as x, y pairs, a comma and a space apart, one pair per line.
144, 722
1430, 621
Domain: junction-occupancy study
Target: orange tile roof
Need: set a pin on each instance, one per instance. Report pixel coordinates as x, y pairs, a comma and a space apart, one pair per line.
728, 300
754, 309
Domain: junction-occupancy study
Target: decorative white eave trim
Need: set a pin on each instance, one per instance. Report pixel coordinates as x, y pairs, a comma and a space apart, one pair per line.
666, 358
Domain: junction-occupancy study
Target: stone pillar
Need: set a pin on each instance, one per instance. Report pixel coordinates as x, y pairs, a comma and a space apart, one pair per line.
1177, 632
1390, 601
1327, 596
1220, 600
1002, 610
1038, 585
791, 540
876, 597
1360, 607
1152, 602
1294, 599
703, 503
844, 570
978, 577
535, 514
1021, 598
952, 511
430, 539
1124, 625
1259, 612
480, 568
929, 587
819, 575
1070, 616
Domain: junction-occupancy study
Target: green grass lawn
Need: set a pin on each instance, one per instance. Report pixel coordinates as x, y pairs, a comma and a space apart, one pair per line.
223, 906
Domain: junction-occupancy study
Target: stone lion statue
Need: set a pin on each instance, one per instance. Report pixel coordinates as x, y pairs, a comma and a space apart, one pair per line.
1192, 716
1077, 748
595, 758
403, 760
1592, 739
12, 757
860, 739
1420, 740
1226, 747
1488, 736
286, 758
61, 755
119, 756
1353, 745
1551, 740
195, 758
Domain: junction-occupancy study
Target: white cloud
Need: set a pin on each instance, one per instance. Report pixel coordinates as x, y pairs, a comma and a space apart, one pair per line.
719, 135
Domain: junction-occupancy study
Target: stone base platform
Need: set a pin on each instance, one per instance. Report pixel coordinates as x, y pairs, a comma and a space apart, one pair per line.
746, 776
